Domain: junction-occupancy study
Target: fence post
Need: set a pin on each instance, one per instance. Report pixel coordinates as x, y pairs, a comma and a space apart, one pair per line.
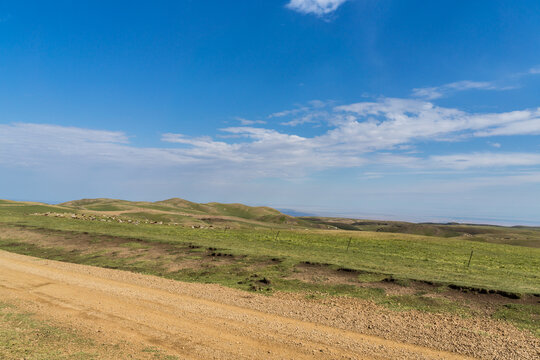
470, 257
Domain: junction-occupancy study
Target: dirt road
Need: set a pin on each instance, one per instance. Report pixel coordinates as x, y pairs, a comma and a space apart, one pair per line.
196, 321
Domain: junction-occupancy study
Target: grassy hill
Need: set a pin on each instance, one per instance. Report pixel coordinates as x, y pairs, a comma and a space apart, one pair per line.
238, 216
185, 212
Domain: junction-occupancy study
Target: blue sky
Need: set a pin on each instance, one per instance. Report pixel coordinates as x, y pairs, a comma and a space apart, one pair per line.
409, 110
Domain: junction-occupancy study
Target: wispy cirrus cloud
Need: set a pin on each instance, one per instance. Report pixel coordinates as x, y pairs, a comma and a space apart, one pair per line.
389, 122
379, 132
315, 7
247, 122
436, 92
302, 109
52, 146
535, 70
484, 160
314, 112
310, 118
510, 82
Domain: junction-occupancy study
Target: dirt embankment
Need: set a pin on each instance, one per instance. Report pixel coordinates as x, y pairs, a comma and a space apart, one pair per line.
196, 321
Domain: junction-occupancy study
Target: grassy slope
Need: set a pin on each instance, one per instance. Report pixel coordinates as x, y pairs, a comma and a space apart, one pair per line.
170, 210
426, 258
523, 236
242, 216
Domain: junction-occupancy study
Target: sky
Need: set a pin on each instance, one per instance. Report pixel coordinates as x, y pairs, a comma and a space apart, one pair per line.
387, 109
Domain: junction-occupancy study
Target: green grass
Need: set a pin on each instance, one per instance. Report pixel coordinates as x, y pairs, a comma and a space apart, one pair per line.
166, 218
104, 207
239, 215
242, 211
31, 209
519, 235
523, 316
136, 245
404, 256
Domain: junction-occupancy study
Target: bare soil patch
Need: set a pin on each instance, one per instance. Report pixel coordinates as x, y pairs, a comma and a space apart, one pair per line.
323, 274
170, 257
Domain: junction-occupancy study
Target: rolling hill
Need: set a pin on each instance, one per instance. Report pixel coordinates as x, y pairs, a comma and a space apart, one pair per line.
182, 212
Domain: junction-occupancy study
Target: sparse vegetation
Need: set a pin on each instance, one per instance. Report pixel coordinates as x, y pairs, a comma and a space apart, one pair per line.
523, 316
23, 336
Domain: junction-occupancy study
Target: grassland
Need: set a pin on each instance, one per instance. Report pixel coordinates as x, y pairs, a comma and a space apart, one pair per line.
252, 249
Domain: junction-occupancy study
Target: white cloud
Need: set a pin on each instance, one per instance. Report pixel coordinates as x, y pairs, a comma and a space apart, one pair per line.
431, 93
39, 145
467, 85
525, 127
311, 106
486, 159
313, 117
377, 133
315, 112
390, 122
287, 112
535, 70
316, 7
13, 133
249, 122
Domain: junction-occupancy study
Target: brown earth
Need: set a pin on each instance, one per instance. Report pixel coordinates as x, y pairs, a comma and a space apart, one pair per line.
322, 274
196, 321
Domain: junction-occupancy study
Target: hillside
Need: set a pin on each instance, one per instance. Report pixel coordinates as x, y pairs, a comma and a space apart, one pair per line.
184, 212
516, 235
